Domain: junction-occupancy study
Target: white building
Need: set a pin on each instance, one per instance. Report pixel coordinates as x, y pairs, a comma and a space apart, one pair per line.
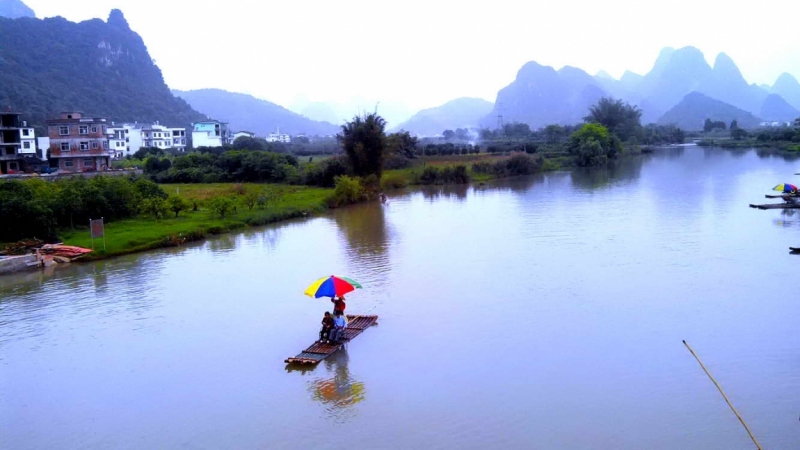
278, 137
44, 144
239, 134
126, 139
27, 139
211, 133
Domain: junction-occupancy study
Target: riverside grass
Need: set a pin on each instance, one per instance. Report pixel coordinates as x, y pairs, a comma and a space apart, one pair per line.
286, 202
147, 233
410, 176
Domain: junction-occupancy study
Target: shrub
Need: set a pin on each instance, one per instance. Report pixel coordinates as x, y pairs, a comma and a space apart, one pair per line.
347, 190
394, 181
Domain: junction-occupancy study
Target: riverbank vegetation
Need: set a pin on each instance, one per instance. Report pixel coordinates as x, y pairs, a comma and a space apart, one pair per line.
183, 197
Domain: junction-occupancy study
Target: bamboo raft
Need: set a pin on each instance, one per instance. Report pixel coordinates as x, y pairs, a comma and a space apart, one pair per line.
777, 206
786, 197
319, 351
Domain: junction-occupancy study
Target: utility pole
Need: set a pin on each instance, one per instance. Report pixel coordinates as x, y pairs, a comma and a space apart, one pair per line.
500, 110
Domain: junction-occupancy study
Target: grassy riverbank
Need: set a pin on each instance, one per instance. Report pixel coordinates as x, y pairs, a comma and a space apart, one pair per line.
286, 201
787, 148
145, 233
477, 168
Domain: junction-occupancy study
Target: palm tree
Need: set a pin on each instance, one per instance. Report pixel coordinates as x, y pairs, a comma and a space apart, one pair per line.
364, 142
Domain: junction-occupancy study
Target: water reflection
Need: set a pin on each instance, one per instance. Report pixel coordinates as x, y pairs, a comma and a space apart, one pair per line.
223, 243
789, 218
456, 192
338, 392
666, 153
623, 171
366, 235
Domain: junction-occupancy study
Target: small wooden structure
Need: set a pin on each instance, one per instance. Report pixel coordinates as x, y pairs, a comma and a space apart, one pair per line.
777, 206
319, 351
785, 197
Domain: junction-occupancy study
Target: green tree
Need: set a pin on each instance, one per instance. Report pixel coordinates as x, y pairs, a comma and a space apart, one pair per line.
517, 130
448, 134
402, 144
155, 207
221, 205
620, 118
248, 143
176, 204
711, 125
250, 200
734, 125
553, 134
364, 142
737, 133
593, 145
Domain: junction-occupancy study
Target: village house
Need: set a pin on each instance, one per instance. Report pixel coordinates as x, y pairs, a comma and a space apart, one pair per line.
79, 144
278, 137
211, 133
128, 138
239, 134
17, 141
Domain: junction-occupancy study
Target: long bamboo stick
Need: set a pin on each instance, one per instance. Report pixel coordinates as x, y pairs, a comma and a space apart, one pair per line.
758, 446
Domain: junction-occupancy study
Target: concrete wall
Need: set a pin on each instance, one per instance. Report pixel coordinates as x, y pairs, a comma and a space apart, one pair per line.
51, 177
13, 264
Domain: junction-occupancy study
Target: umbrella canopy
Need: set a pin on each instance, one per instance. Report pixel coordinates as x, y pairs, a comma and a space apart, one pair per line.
331, 286
785, 187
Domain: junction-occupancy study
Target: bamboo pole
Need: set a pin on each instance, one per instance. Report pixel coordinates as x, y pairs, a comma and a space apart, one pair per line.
758, 446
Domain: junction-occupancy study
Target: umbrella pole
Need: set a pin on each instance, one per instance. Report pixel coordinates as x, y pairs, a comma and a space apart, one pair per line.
758, 446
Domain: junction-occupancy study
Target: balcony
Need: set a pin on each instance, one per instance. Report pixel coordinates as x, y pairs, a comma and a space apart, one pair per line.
9, 155
74, 152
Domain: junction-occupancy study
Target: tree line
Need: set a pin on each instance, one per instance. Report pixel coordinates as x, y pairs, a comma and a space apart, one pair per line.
38, 208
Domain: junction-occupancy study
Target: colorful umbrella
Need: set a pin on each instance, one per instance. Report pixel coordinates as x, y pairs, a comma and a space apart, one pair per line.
785, 187
331, 286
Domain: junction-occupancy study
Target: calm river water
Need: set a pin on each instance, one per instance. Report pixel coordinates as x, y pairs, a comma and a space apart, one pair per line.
542, 312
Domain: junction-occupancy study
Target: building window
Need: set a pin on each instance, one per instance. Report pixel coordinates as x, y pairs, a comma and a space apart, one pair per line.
63, 130
65, 146
94, 128
68, 163
105, 145
83, 129
88, 162
26, 132
84, 146
95, 145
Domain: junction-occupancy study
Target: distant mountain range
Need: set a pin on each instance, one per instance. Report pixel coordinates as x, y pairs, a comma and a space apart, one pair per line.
691, 112
13, 9
541, 95
340, 112
245, 112
462, 112
100, 68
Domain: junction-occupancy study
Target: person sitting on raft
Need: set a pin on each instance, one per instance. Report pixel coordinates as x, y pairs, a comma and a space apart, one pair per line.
327, 326
339, 325
338, 305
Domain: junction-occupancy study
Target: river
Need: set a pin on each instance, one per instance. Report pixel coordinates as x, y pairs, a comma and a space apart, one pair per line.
540, 312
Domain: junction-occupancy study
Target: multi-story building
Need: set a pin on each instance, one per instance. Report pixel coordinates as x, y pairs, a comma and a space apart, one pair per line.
126, 139
17, 140
80, 144
278, 137
211, 133
239, 134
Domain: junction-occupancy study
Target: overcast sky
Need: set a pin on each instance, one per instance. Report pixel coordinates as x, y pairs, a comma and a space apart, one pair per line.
424, 53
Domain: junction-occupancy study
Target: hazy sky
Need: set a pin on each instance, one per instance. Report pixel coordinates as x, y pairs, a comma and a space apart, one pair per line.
423, 53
